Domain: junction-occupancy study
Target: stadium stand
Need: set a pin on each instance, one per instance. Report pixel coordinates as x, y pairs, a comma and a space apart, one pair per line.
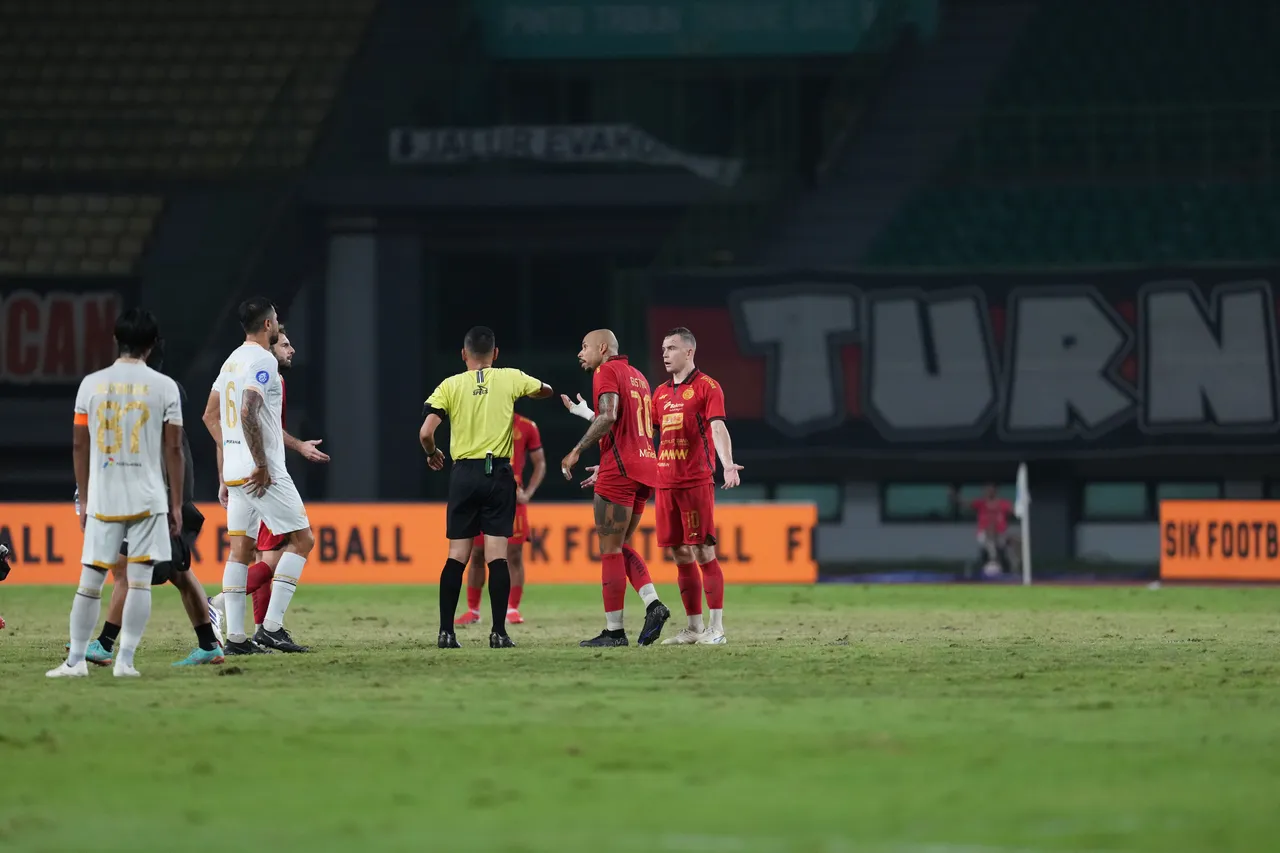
150, 87
74, 234
1111, 94
1089, 224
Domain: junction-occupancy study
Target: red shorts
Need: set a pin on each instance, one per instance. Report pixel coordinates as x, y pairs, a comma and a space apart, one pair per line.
268, 542
624, 491
519, 530
686, 516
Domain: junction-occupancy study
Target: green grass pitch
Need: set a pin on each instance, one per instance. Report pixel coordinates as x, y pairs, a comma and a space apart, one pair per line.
903, 720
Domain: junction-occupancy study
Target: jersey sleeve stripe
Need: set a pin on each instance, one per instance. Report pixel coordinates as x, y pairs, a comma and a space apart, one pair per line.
81, 419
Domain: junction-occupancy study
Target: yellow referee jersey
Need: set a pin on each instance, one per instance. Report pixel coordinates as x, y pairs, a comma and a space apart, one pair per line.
480, 406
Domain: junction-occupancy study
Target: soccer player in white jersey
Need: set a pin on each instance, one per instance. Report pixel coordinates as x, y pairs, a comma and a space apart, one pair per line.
128, 431
249, 395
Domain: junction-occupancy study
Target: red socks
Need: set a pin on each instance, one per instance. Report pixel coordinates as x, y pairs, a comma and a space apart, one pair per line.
713, 580
473, 597
259, 576
613, 580
690, 583
259, 586
261, 601
513, 600
637, 571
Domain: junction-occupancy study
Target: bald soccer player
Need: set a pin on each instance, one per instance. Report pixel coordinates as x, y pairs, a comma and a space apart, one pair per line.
623, 428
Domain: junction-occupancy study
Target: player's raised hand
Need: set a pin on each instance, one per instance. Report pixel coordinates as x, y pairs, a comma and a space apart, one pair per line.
590, 481
567, 463
310, 451
224, 494
435, 460
258, 481
731, 476
580, 408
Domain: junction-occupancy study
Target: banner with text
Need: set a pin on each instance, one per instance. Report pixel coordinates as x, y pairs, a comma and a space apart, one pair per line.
1220, 540
53, 332
607, 29
1016, 365
405, 544
565, 144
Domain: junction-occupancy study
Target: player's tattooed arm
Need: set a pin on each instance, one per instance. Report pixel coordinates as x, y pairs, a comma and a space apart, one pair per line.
251, 405
606, 415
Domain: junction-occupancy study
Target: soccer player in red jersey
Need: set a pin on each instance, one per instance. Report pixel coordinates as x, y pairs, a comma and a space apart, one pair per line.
627, 474
269, 546
527, 440
688, 411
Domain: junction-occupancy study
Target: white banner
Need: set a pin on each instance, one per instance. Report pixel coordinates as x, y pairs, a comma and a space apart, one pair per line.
571, 143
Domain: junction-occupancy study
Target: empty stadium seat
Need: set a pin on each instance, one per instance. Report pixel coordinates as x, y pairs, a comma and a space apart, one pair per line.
149, 87
1053, 225
1134, 88
69, 234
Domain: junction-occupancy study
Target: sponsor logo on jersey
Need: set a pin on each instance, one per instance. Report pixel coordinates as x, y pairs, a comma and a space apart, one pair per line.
262, 376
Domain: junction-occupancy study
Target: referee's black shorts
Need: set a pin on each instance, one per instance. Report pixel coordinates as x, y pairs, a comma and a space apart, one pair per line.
480, 502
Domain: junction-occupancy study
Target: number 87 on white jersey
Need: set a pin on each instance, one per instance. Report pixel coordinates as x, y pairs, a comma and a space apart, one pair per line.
125, 407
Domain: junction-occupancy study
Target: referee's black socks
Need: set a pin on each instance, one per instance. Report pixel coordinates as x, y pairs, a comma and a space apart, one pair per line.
499, 592
450, 589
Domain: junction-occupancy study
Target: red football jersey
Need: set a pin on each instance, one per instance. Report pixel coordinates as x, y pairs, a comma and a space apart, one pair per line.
282, 400
527, 440
627, 449
683, 414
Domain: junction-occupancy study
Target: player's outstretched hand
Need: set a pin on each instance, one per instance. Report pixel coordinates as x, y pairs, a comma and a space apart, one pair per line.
580, 408
224, 494
311, 451
731, 479
436, 460
590, 481
258, 481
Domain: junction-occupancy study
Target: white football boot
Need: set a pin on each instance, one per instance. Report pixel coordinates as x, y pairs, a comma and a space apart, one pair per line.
711, 637
80, 670
686, 637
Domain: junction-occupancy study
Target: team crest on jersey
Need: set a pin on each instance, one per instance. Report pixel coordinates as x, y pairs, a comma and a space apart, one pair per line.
688, 394
262, 377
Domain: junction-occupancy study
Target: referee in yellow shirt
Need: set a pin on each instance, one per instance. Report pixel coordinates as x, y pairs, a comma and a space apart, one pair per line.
482, 487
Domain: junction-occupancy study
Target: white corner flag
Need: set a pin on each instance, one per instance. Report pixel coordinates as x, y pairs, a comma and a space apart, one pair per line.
1022, 511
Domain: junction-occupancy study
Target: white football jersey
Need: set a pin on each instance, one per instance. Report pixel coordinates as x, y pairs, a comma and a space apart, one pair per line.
250, 366
125, 406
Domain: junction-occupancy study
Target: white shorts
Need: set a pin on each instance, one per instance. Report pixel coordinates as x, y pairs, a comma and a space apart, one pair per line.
280, 509
241, 518
148, 540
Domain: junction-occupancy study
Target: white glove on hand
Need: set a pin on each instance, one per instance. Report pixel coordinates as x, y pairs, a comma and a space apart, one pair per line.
580, 408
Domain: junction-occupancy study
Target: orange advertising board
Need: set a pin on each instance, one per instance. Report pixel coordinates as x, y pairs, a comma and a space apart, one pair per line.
1220, 540
405, 544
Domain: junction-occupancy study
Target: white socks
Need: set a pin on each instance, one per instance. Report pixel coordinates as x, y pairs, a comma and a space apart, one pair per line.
137, 610
235, 579
648, 594
717, 620
695, 622
288, 572
613, 621
85, 609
